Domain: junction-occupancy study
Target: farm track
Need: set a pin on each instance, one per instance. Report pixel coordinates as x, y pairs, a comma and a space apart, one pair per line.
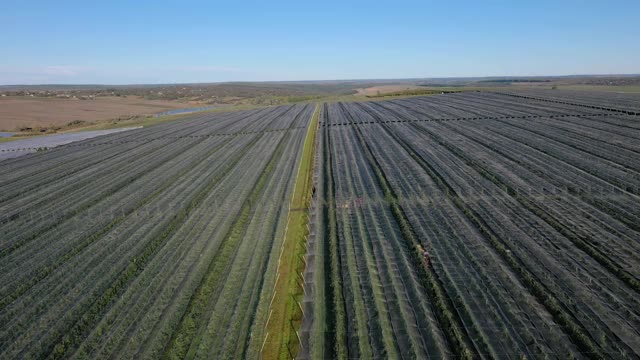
285, 313
521, 213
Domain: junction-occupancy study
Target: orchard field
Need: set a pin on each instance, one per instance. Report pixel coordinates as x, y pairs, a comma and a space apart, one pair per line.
475, 225
462, 225
156, 242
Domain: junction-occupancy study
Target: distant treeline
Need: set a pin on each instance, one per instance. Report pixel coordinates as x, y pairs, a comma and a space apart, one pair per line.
507, 81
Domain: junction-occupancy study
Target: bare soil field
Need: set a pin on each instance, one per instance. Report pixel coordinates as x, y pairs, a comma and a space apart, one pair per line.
381, 89
30, 112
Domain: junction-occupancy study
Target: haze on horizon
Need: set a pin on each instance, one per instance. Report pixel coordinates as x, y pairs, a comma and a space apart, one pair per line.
120, 42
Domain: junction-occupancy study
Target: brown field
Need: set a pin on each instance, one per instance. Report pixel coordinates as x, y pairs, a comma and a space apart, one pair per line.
374, 90
30, 112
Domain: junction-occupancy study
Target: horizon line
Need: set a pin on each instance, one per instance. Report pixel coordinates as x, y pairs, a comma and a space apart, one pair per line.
329, 80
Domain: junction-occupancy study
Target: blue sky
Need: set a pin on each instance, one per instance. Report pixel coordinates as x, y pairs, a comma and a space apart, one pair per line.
119, 42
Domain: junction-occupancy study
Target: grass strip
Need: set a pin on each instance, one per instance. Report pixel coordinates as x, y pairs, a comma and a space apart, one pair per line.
285, 313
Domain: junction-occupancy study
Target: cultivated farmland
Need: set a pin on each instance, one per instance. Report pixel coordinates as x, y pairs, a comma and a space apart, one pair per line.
475, 225
155, 242
462, 225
